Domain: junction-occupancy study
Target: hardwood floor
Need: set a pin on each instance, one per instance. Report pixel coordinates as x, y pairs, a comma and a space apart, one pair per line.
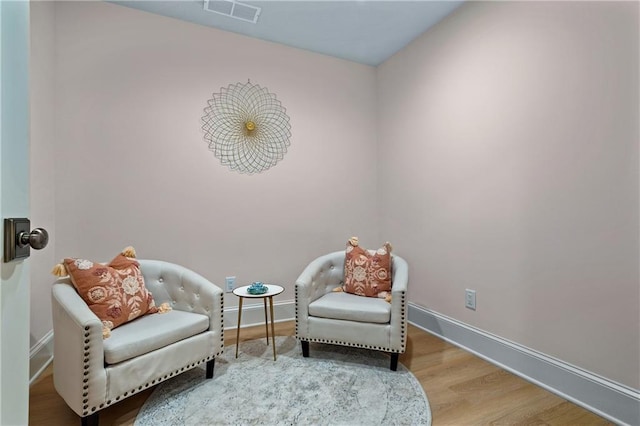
462, 390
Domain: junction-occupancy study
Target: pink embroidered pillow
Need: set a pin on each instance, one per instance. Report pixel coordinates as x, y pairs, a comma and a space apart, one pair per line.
365, 273
114, 292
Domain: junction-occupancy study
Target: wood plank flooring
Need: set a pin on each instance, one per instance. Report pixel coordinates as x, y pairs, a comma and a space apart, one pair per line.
462, 390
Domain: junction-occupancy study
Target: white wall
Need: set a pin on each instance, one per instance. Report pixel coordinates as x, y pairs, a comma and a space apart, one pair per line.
121, 92
132, 167
509, 165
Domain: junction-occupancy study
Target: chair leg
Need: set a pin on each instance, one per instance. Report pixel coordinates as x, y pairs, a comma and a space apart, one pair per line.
305, 348
210, 364
90, 420
394, 361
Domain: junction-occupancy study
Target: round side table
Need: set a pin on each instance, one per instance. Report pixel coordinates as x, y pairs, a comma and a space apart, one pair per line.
241, 292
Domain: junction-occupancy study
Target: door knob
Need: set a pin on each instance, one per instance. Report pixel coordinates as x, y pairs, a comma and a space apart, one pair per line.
18, 239
37, 239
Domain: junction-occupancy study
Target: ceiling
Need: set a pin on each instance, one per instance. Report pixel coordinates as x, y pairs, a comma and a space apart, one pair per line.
364, 31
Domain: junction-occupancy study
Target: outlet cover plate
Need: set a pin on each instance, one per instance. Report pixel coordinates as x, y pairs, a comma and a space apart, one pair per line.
231, 283
470, 299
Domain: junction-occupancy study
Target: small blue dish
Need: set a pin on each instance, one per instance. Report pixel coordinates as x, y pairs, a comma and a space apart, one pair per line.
257, 288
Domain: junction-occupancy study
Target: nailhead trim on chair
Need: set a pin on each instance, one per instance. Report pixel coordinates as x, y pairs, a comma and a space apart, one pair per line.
296, 303
355, 345
358, 345
222, 319
85, 407
146, 385
85, 387
403, 334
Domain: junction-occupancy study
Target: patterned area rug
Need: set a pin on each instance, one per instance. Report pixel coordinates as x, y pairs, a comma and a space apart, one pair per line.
336, 385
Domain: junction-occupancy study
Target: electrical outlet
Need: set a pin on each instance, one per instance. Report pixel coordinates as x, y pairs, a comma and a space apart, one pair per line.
231, 283
470, 299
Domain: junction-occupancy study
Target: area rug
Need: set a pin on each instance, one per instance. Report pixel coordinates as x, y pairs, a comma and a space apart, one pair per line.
336, 385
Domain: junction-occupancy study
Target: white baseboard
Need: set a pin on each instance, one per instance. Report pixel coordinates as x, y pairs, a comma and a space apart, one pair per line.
40, 356
613, 401
253, 313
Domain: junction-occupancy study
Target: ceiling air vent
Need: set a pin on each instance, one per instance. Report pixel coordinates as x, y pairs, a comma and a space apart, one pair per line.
233, 9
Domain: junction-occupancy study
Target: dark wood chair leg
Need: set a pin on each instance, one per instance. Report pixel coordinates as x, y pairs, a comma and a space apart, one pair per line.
394, 361
305, 348
90, 420
210, 364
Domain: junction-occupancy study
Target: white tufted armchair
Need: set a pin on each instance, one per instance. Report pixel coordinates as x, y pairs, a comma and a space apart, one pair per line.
338, 318
91, 373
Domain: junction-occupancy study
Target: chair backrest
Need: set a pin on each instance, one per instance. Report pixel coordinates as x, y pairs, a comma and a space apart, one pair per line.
176, 285
332, 267
156, 273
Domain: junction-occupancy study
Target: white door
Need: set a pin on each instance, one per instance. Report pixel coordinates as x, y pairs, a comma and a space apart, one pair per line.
14, 202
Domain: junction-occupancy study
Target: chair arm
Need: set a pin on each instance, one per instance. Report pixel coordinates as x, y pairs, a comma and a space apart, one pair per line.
78, 349
400, 280
400, 275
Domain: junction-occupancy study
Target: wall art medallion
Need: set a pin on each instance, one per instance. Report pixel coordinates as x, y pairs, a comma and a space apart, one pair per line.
246, 127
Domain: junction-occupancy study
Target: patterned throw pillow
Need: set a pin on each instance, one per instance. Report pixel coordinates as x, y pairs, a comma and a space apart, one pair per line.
114, 292
366, 273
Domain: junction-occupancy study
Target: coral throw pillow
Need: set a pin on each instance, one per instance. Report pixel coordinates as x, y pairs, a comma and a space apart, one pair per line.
367, 273
114, 292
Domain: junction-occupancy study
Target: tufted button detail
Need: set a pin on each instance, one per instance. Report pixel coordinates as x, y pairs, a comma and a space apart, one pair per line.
160, 280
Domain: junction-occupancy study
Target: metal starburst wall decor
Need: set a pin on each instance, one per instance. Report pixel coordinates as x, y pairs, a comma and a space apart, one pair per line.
246, 127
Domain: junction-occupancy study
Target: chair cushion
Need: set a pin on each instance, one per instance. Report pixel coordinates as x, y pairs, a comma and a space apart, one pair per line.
152, 332
367, 273
345, 306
